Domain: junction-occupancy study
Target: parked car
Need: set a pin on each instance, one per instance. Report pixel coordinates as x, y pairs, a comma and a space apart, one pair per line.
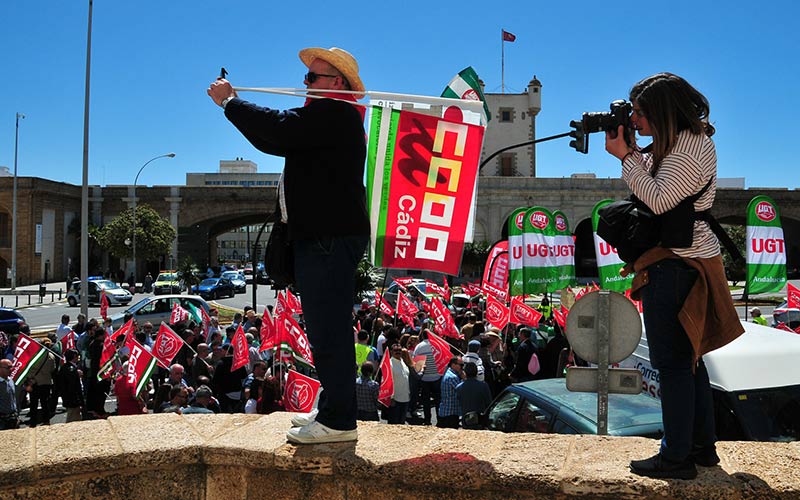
10, 321
158, 309
754, 380
785, 314
168, 282
214, 288
547, 406
237, 280
416, 288
116, 295
248, 275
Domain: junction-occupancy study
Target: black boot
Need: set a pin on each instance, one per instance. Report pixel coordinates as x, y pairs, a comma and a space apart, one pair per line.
705, 456
659, 467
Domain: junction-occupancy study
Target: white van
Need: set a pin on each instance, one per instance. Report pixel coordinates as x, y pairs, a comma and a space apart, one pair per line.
755, 381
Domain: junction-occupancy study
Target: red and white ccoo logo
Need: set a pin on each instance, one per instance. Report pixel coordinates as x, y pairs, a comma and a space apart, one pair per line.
765, 211
539, 220
561, 223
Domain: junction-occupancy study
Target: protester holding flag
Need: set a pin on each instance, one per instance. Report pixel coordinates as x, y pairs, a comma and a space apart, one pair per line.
70, 386
324, 147
9, 413
401, 372
680, 326
429, 374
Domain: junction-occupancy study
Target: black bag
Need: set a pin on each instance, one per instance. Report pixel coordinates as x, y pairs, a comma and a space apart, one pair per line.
632, 228
279, 256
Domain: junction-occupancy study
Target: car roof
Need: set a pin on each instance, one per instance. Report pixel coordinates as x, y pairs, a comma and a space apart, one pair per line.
625, 411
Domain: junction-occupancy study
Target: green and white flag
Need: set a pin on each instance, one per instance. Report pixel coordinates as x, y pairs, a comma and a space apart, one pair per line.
563, 252
608, 262
466, 85
516, 247
538, 259
766, 248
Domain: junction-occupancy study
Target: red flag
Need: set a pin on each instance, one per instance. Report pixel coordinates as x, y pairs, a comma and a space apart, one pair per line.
140, 365
107, 358
560, 316
431, 287
580, 293
441, 352
495, 273
241, 355
471, 289
291, 332
508, 37
103, 305
447, 291
300, 392
26, 354
406, 309
404, 282
383, 306
268, 331
496, 312
205, 322
68, 341
123, 330
386, 390
523, 314
783, 326
167, 345
179, 314
293, 302
792, 296
443, 323
637, 303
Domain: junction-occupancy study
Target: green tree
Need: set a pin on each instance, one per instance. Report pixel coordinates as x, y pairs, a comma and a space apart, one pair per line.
154, 234
366, 277
735, 271
474, 257
188, 272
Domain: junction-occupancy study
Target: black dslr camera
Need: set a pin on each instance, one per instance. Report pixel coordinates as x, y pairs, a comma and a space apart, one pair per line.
603, 121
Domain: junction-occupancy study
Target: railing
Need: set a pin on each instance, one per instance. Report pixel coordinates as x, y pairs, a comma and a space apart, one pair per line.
10, 298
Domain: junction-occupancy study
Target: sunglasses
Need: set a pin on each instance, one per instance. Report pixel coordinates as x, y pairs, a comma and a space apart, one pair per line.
312, 77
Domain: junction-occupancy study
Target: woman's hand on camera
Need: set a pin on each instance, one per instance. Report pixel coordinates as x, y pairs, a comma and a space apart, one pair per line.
617, 146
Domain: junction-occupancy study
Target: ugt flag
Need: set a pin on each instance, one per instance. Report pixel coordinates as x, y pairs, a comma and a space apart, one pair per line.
538, 257
563, 251
766, 249
466, 85
300, 392
516, 248
167, 345
386, 390
422, 174
608, 262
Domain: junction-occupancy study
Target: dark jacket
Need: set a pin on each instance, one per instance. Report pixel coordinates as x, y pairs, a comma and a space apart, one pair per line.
525, 352
69, 385
325, 148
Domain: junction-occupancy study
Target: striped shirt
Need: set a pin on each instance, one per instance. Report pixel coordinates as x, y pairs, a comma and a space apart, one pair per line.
684, 172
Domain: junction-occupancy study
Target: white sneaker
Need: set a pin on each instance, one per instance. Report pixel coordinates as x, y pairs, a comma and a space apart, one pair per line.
301, 419
316, 432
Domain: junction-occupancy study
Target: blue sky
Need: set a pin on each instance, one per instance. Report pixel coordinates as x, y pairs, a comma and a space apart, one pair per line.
153, 60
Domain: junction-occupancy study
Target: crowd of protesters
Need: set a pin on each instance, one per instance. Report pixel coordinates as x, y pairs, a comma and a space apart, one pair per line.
482, 362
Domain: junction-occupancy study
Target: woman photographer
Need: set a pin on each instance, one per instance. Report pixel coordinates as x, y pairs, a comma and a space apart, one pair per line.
681, 162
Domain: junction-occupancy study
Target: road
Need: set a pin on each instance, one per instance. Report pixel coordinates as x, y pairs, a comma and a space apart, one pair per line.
47, 316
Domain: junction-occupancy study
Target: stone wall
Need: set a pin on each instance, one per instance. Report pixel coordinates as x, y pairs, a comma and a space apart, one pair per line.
235, 457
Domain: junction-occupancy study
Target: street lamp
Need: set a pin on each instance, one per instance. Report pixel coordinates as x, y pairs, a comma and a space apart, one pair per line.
135, 181
14, 211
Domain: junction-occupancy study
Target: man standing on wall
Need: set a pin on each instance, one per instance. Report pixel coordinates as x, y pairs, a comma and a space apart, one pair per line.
323, 201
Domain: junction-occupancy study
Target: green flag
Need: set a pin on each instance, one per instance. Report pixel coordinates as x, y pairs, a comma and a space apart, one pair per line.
538, 258
516, 245
766, 248
608, 262
466, 85
563, 252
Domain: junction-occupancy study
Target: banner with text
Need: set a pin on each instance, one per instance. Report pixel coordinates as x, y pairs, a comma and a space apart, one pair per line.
766, 249
608, 262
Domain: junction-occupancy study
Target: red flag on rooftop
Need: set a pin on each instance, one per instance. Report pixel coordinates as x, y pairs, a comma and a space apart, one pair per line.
300, 392
241, 355
386, 390
167, 345
508, 37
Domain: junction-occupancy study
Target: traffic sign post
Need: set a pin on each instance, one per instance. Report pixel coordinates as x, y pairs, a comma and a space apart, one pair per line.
603, 327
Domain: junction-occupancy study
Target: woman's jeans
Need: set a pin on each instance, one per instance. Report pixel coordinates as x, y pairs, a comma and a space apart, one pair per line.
686, 401
325, 273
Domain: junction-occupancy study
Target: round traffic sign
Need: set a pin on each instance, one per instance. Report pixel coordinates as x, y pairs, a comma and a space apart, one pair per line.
625, 327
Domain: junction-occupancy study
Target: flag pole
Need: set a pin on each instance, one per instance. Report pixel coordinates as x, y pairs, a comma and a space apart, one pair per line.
502, 62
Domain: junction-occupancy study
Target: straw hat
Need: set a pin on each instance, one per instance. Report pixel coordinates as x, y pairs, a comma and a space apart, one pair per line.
339, 59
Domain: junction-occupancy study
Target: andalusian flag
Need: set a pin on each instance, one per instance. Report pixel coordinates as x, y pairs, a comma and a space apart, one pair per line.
537, 257
422, 174
466, 85
516, 247
766, 248
608, 262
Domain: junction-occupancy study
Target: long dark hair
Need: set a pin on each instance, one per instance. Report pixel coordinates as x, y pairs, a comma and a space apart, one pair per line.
671, 105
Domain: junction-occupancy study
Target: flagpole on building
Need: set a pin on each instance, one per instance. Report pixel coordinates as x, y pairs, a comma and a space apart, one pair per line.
502, 62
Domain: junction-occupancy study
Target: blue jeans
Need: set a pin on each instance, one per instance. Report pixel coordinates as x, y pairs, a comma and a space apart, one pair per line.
686, 400
325, 274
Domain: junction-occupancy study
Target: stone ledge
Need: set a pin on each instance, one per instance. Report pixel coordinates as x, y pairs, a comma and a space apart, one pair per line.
235, 457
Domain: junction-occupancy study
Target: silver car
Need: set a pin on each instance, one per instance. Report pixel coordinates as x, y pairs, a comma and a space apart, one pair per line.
159, 308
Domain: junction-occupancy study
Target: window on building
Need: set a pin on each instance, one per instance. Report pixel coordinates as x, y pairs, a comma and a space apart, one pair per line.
506, 115
507, 165
5, 230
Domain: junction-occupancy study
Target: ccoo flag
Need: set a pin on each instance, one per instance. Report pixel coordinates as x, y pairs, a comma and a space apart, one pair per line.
766, 249
467, 85
608, 262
